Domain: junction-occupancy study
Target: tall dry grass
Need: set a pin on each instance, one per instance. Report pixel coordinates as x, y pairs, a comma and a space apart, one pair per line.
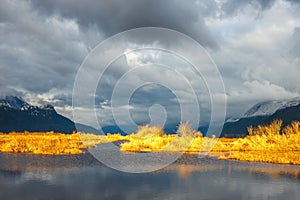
51, 143
155, 140
265, 143
269, 143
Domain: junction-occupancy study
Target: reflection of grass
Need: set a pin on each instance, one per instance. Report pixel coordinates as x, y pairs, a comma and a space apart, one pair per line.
269, 143
190, 166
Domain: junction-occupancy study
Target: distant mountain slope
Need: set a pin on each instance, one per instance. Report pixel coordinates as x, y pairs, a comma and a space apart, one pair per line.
86, 129
264, 113
113, 129
17, 115
288, 115
268, 108
171, 128
239, 127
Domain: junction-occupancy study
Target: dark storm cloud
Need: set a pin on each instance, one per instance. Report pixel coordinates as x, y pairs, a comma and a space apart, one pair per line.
295, 43
37, 53
60, 100
42, 44
232, 7
115, 16
294, 1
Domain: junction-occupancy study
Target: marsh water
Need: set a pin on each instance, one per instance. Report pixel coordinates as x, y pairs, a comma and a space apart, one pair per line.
25, 176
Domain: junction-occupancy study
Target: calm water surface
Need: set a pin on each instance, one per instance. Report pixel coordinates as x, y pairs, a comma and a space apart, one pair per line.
82, 177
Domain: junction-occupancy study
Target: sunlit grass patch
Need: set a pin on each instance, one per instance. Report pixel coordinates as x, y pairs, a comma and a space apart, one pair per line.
153, 139
41, 143
269, 143
51, 143
266, 143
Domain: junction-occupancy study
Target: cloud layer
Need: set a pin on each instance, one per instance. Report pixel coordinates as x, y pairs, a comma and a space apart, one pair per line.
255, 45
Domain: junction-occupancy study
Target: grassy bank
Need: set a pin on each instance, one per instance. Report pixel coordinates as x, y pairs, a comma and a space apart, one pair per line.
269, 143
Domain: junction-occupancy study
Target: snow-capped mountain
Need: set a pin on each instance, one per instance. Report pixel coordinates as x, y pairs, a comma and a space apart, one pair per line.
268, 108
17, 103
264, 113
14, 103
18, 115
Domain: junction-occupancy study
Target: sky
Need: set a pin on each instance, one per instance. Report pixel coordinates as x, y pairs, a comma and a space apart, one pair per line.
254, 44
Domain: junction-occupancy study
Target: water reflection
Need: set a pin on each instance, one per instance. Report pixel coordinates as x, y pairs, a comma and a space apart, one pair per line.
82, 177
190, 164
30, 162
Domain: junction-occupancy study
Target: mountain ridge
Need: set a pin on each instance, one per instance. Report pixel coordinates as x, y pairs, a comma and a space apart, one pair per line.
263, 113
18, 115
270, 107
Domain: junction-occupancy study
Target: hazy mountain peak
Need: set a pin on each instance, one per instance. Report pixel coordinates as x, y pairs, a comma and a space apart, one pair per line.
47, 107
